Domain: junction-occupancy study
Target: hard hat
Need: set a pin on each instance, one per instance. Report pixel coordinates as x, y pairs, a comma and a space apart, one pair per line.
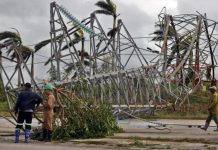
57, 84
47, 87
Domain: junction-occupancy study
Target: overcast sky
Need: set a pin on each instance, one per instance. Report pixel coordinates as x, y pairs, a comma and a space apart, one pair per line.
31, 17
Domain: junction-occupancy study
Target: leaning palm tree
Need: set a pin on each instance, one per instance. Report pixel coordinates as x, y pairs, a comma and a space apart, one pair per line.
13, 44
109, 8
77, 37
12, 41
84, 56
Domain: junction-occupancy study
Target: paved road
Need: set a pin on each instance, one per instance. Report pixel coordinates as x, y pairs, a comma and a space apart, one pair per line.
174, 129
30, 146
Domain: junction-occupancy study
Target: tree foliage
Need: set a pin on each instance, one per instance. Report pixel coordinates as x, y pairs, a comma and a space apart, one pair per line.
52, 73
86, 120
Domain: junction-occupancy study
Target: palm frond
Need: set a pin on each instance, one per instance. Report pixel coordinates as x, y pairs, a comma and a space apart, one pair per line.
13, 56
77, 36
105, 6
109, 2
157, 38
9, 50
99, 43
45, 42
158, 32
75, 75
24, 50
49, 60
84, 54
112, 32
41, 44
105, 12
76, 40
46, 63
9, 41
113, 6
69, 68
10, 35
86, 63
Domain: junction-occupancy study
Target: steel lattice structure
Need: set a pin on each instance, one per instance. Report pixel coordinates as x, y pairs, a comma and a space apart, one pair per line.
186, 44
98, 63
108, 78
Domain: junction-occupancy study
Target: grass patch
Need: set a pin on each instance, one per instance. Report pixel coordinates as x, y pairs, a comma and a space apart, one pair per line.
165, 114
137, 143
3, 106
189, 140
91, 142
140, 144
123, 145
4, 110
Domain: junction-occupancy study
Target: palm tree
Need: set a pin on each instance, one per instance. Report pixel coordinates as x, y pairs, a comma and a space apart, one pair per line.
159, 32
12, 42
109, 8
78, 36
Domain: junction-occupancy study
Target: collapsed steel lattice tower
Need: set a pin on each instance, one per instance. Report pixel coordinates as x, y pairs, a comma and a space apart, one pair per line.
186, 44
112, 69
106, 80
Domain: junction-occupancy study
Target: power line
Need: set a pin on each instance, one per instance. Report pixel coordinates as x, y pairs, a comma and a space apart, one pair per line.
146, 54
41, 55
139, 37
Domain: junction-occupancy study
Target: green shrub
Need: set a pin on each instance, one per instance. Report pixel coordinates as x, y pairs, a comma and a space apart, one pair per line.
86, 120
3, 106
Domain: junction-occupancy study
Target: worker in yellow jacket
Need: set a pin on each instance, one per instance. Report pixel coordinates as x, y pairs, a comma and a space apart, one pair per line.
212, 108
48, 113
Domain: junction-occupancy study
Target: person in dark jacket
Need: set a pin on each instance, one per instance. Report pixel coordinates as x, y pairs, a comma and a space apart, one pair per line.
24, 107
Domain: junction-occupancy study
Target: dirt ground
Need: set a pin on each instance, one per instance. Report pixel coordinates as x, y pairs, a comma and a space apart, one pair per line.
139, 134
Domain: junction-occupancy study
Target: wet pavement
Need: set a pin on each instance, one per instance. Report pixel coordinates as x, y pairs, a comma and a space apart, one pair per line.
183, 134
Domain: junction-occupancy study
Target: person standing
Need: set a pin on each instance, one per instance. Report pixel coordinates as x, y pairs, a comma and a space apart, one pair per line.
48, 113
212, 109
25, 105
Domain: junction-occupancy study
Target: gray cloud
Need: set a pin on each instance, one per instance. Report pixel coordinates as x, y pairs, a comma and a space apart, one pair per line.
22, 8
135, 19
191, 6
31, 18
